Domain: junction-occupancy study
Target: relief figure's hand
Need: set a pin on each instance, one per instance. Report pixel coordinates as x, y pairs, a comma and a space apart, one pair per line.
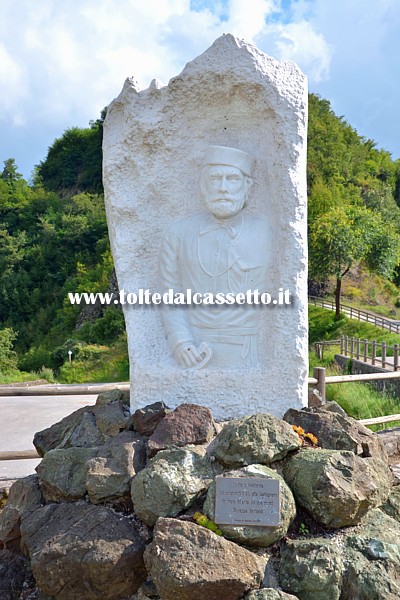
189, 356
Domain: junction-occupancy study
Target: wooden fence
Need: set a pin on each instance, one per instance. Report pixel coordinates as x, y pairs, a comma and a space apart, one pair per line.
319, 381
356, 313
371, 352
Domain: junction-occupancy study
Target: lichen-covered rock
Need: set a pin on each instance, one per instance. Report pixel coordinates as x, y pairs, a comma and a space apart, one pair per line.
78, 550
24, 497
62, 473
110, 396
390, 439
259, 439
253, 535
311, 569
337, 431
146, 419
337, 487
187, 424
189, 562
112, 418
269, 594
392, 505
372, 559
170, 482
109, 474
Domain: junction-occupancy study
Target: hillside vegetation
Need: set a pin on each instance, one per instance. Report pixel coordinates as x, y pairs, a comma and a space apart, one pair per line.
53, 239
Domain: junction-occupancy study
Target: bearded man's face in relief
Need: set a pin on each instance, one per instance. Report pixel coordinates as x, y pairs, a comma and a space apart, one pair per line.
225, 190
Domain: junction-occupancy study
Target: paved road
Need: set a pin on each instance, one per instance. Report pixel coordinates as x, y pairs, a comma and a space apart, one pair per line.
22, 416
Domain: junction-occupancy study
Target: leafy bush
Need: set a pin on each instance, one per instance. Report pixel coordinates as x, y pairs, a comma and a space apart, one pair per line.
35, 360
104, 330
8, 358
81, 351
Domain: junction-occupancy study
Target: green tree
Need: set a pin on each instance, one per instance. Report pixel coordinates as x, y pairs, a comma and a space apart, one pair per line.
8, 358
74, 161
10, 173
343, 237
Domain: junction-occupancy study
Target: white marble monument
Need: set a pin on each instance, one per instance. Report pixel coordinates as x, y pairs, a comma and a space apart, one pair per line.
205, 187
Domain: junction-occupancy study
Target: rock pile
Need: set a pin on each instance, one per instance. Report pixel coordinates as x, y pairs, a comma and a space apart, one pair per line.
110, 514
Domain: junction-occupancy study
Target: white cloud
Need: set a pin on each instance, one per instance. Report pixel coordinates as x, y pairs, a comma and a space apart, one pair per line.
247, 17
12, 82
78, 54
302, 44
61, 62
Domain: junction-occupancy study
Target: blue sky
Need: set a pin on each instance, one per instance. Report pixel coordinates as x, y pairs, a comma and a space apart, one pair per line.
62, 62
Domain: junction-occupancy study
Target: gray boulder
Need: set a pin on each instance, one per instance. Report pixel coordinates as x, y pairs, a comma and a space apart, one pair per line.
259, 439
170, 482
111, 396
78, 550
187, 424
61, 434
112, 418
24, 497
372, 559
311, 569
337, 431
89, 426
62, 473
392, 505
253, 535
337, 487
189, 562
109, 475
390, 439
104, 473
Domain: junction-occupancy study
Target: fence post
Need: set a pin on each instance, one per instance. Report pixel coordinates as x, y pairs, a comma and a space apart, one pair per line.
319, 374
351, 347
396, 357
341, 344
365, 351
383, 355
358, 349
346, 344
373, 356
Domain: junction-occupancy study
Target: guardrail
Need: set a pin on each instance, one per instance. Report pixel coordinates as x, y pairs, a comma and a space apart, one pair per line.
63, 390
356, 313
19, 455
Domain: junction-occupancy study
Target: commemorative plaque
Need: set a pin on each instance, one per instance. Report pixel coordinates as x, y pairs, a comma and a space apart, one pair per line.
245, 501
